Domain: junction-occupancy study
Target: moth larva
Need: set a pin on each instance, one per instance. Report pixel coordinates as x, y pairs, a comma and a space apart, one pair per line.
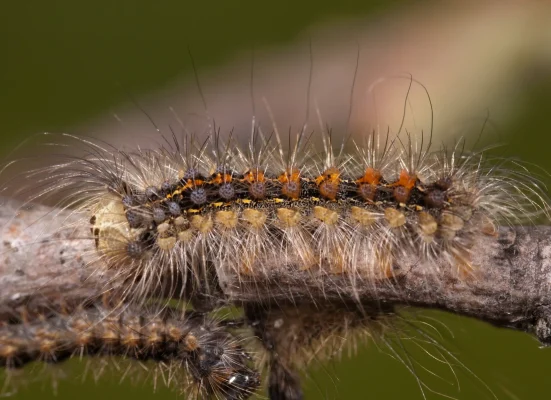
202, 357
206, 221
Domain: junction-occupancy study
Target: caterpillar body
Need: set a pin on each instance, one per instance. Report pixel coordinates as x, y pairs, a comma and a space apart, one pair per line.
208, 214
192, 346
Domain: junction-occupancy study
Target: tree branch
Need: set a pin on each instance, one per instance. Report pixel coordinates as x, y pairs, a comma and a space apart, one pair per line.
44, 259
511, 286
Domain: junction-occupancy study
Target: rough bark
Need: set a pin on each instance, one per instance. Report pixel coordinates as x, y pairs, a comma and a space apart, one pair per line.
511, 286
44, 259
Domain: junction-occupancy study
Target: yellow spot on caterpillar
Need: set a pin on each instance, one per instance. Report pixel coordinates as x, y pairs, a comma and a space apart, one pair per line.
464, 212
326, 215
153, 332
190, 342
162, 228
109, 330
228, 219
288, 217
220, 178
131, 334
427, 225
254, 176
254, 217
174, 332
181, 221
166, 243
394, 217
185, 236
451, 222
201, 223
111, 228
362, 216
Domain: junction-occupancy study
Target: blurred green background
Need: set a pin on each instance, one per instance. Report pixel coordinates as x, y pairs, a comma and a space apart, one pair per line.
58, 66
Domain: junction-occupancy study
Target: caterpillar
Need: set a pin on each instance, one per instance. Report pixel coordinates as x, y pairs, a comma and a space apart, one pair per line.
203, 220
192, 346
197, 216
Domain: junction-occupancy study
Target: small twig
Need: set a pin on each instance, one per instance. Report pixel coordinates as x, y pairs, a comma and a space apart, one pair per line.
511, 286
43, 263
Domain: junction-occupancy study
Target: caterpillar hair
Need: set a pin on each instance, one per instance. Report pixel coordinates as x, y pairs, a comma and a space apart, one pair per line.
203, 358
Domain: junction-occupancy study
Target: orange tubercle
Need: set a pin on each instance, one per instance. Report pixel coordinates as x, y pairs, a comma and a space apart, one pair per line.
402, 188
253, 176
371, 176
220, 178
406, 180
291, 187
193, 183
328, 183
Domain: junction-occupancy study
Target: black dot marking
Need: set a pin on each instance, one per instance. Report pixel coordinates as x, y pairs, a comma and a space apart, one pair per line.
191, 173
292, 186
435, 198
444, 183
134, 219
95, 232
134, 249
198, 196
367, 191
127, 201
226, 191
151, 193
401, 194
329, 190
166, 186
159, 215
257, 190
174, 208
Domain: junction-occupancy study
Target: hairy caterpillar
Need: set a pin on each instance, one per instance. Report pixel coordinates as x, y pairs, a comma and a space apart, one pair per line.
202, 220
191, 344
199, 215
